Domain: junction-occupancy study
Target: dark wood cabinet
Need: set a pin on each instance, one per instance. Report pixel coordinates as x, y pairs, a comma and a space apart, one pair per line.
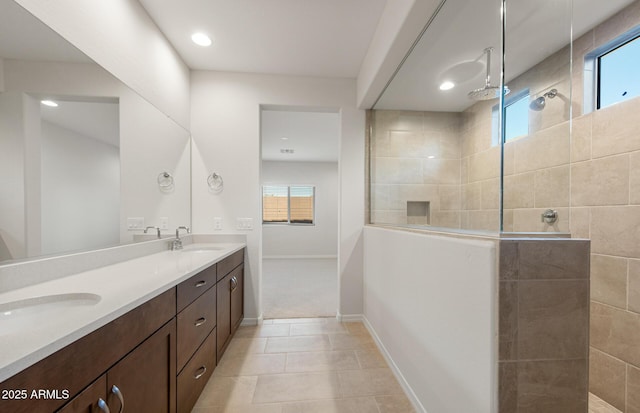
159, 356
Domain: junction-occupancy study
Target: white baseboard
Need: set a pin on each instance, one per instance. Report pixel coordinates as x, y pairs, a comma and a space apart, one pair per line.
349, 318
394, 368
299, 257
252, 321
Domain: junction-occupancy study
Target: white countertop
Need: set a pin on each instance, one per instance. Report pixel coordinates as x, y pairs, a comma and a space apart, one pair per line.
122, 287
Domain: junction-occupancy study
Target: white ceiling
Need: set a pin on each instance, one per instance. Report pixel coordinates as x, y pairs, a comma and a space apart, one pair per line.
452, 47
326, 38
97, 120
314, 136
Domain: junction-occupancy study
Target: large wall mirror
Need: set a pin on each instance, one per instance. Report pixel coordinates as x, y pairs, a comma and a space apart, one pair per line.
85, 162
438, 156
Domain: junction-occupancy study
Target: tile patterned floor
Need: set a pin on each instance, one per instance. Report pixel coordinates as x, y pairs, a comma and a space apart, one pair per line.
597, 405
313, 365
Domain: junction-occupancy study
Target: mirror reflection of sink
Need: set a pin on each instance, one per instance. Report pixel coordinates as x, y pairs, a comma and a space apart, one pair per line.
21, 314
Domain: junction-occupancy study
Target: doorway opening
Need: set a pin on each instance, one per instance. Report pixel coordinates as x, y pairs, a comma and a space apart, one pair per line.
300, 198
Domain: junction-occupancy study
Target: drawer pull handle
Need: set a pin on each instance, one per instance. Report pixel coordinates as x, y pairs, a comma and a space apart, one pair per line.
115, 390
200, 321
201, 283
103, 406
233, 283
200, 372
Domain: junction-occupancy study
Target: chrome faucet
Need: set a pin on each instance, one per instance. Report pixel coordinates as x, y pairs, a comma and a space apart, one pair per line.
177, 243
156, 228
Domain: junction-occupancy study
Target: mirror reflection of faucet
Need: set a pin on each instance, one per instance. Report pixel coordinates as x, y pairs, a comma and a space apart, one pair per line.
177, 243
152, 227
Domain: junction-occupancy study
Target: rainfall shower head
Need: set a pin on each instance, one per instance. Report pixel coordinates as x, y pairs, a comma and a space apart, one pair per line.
487, 92
539, 103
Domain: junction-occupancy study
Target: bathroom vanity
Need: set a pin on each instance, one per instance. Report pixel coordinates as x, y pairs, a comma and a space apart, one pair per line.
153, 357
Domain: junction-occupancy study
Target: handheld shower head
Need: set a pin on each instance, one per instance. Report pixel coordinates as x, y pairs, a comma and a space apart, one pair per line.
487, 92
541, 101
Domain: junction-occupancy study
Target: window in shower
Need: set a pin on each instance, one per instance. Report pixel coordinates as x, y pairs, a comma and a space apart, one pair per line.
288, 204
610, 72
618, 74
516, 117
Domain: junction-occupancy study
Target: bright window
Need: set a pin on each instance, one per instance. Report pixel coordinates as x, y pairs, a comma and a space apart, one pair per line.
516, 117
618, 70
288, 204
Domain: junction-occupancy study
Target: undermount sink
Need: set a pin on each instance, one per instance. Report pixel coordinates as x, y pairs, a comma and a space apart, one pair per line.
21, 314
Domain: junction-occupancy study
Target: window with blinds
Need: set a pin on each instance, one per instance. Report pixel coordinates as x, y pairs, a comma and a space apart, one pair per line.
288, 204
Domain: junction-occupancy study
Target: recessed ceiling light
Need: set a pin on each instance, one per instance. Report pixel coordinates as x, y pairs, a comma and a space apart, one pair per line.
284, 139
201, 39
447, 85
49, 103
430, 157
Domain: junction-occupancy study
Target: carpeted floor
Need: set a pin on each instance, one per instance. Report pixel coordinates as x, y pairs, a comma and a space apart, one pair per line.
299, 288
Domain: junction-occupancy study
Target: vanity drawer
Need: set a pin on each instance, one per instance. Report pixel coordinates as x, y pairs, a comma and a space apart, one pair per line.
194, 324
196, 373
195, 286
225, 266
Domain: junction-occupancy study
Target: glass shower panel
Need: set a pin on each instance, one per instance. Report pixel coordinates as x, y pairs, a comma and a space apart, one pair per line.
537, 158
434, 155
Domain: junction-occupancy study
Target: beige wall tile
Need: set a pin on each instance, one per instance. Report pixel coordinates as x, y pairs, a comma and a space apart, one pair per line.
610, 136
508, 321
609, 280
509, 158
400, 194
397, 171
607, 378
528, 220
472, 196
634, 286
441, 171
488, 220
484, 165
633, 390
446, 219
552, 187
581, 138
398, 120
507, 220
600, 181
297, 386
552, 386
634, 178
490, 194
553, 319
618, 24
615, 332
544, 149
553, 259
518, 191
464, 170
580, 219
450, 197
614, 231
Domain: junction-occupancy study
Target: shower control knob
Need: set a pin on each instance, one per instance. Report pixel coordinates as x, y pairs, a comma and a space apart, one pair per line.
549, 216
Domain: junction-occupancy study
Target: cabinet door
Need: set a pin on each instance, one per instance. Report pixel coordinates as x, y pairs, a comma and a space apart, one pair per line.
87, 401
237, 297
146, 377
223, 323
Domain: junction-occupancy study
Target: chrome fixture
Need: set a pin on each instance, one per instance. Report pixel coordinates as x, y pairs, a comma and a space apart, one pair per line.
177, 243
488, 92
550, 216
156, 228
165, 181
215, 182
539, 103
